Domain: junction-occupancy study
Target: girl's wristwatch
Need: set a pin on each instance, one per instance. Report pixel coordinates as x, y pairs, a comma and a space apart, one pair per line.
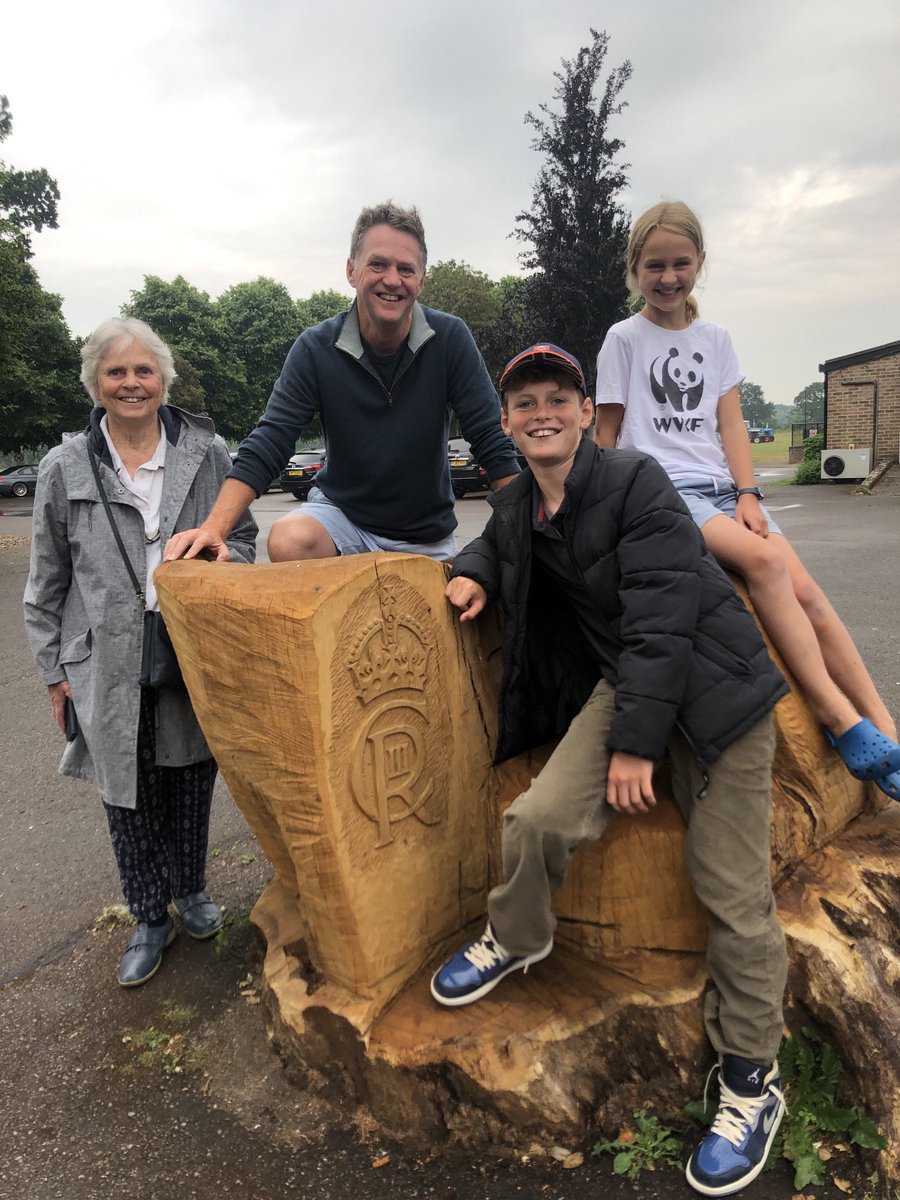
754, 491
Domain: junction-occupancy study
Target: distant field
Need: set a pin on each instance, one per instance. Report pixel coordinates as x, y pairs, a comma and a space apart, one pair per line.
776, 451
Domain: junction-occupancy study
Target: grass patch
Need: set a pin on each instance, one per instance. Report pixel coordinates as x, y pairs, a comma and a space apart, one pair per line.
777, 451
811, 1073
642, 1148
167, 1046
231, 921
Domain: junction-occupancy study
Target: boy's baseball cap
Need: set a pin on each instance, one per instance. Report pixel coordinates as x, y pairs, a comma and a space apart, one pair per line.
548, 355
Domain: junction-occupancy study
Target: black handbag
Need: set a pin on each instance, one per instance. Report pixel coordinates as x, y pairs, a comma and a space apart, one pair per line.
159, 664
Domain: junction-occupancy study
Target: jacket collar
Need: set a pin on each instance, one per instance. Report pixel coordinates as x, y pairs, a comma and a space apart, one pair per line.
170, 417
576, 481
350, 341
586, 457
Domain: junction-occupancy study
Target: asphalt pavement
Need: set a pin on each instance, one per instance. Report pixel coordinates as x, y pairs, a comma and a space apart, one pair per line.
173, 1089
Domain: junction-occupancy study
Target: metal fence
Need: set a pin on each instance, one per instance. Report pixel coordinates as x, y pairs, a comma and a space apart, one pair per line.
800, 432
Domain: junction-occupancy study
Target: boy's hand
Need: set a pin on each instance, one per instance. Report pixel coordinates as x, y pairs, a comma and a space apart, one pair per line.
629, 783
466, 595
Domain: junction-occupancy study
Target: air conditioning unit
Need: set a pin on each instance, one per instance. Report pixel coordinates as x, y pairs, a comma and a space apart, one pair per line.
846, 464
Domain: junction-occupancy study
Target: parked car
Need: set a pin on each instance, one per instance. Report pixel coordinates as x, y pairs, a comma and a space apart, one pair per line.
465, 474
299, 476
761, 433
18, 480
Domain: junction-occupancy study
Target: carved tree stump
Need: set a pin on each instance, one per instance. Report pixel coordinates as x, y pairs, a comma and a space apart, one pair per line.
355, 730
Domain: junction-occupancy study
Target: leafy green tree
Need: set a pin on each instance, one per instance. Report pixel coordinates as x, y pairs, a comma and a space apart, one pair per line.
40, 396
576, 230
259, 321
28, 199
455, 287
187, 390
757, 411
809, 404
319, 307
514, 327
189, 322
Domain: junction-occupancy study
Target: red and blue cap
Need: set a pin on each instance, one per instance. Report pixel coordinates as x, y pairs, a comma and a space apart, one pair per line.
545, 354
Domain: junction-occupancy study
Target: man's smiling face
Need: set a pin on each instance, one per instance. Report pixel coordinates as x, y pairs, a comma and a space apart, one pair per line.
388, 275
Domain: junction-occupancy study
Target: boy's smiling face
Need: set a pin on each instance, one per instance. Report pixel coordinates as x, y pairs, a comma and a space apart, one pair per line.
546, 419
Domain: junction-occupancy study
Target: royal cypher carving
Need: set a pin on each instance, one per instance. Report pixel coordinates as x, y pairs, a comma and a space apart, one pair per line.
389, 660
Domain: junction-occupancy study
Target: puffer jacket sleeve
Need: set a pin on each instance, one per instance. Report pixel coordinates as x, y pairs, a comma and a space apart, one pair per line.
479, 560
658, 554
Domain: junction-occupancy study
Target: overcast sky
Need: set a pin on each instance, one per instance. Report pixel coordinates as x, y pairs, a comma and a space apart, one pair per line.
227, 139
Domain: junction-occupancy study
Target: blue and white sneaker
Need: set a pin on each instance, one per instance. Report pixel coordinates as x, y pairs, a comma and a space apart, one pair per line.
476, 969
735, 1150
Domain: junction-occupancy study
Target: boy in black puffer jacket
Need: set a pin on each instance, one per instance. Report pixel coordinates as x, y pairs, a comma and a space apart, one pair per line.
624, 638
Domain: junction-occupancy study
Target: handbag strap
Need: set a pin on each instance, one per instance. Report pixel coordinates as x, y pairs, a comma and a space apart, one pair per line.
138, 590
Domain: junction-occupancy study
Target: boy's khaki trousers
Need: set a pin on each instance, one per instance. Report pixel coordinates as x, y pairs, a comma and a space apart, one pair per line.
726, 854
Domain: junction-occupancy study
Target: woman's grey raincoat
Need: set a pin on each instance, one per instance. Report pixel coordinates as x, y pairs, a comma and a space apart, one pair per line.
83, 619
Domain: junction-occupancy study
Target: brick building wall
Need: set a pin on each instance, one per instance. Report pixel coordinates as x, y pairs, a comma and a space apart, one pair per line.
862, 401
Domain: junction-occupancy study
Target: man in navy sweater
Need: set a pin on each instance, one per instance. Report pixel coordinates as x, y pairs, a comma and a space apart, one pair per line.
384, 380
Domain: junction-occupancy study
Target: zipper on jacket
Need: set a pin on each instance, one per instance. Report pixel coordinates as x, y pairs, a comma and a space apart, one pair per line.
388, 393
371, 371
704, 769
403, 369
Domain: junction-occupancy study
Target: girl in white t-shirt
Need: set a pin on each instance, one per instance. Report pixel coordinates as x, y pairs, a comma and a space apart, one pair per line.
667, 384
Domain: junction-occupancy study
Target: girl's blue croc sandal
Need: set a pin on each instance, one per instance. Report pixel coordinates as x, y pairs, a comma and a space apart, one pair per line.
890, 785
866, 752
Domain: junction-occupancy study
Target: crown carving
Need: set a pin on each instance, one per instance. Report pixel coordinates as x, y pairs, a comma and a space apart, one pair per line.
387, 657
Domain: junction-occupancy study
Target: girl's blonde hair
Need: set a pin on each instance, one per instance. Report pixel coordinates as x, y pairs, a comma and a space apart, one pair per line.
675, 216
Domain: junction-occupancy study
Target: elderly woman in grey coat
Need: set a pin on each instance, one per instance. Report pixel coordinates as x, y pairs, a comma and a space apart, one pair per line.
161, 470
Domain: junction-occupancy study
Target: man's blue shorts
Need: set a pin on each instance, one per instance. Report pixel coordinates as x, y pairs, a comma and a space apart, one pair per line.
350, 539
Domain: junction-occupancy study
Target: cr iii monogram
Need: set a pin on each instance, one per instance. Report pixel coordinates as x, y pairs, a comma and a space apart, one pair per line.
389, 669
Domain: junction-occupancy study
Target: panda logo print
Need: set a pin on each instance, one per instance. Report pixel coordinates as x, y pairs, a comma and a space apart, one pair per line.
678, 381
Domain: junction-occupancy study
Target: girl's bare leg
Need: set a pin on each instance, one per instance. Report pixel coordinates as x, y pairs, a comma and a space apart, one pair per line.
764, 566
843, 660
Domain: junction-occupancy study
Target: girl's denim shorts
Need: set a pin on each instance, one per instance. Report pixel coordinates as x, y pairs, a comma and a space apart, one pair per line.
707, 497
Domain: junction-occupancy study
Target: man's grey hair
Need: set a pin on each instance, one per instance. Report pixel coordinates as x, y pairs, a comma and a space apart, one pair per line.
407, 220
118, 330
